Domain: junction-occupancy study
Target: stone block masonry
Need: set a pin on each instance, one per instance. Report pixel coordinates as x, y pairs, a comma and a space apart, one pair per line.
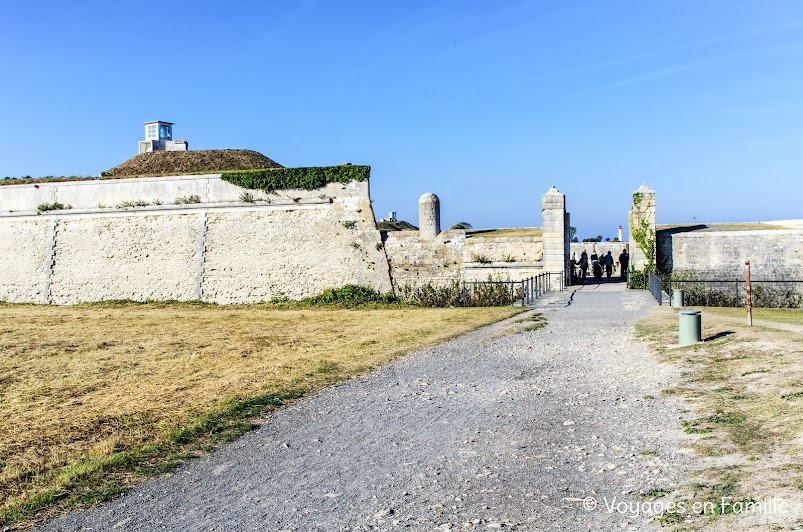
553, 212
774, 255
25, 257
419, 258
136, 257
642, 229
231, 248
293, 244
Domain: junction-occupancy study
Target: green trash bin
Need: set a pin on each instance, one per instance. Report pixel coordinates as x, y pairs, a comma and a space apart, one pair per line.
677, 297
690, 327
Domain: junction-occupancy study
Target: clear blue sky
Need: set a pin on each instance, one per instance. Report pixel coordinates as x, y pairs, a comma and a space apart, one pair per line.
486, 103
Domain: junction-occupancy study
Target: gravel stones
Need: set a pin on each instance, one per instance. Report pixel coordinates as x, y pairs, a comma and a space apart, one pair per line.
487, 431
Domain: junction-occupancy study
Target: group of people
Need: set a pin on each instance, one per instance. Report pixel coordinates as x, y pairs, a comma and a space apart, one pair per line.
599, 263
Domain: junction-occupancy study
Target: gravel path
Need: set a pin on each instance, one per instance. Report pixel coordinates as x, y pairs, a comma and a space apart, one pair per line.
485, 431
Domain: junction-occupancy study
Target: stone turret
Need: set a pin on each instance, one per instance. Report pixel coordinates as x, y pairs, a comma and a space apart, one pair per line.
429, 216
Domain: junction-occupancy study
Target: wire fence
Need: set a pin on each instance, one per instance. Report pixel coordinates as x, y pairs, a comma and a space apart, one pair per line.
533, 288
786, 293
726, 293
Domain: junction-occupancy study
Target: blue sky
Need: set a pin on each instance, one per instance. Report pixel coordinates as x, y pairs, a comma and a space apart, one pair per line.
486, 103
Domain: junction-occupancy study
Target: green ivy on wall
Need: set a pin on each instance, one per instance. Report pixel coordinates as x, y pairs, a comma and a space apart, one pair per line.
642, 232
307, 178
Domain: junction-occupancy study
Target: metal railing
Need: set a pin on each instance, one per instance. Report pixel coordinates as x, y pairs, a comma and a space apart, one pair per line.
655, 286
533, 288
482, 293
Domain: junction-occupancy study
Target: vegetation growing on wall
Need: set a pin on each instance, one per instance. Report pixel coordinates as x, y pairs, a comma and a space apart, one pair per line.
305, 178
27, 180
56, 206
641, 230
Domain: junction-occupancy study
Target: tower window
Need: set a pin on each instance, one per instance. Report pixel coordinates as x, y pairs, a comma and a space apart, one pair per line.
150, 132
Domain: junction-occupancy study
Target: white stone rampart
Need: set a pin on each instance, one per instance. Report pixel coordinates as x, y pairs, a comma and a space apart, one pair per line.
24, 254
416, 261
108, 193
452, 257
773, 254
509, 250
296, 245
136, 257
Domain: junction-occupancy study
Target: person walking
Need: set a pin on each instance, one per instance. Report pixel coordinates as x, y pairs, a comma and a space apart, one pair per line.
624, 261
608, 265
583, 266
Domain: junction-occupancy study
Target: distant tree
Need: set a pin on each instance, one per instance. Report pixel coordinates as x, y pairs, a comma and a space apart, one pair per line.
608, 239
573, 234
461, 225
597, 238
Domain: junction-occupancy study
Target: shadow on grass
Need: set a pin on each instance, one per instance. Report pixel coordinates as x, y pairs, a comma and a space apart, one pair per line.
719, 335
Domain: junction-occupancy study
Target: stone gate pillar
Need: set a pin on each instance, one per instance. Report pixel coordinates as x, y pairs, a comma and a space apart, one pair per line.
642, 228
555, 227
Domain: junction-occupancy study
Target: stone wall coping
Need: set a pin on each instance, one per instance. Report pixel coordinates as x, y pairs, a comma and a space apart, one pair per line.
503, 239
708, 234
112, 180
508, 265
172, 209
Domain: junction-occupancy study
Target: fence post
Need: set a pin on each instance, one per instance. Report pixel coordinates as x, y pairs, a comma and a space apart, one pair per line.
747, 294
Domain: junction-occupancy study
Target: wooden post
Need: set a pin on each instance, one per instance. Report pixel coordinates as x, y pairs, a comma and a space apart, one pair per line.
747, 293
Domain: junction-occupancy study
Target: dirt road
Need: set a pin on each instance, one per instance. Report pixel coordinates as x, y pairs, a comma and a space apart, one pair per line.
523, 431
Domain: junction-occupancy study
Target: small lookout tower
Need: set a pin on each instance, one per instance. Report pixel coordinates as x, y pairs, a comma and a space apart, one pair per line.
159, 137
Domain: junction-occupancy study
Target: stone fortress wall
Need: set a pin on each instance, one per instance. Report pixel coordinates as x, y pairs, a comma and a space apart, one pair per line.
435, 257
227, 249
774, 255
718, 251
292, 244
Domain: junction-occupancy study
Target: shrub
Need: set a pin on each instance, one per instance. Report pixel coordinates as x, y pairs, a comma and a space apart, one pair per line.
350, 295
482, 259
350, 224
137, 203
457, 294
247, 197
637, 280
55, 206
307, 178
461, 225
183, 200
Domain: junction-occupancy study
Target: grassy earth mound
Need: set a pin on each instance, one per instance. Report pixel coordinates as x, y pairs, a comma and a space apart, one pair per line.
190, 162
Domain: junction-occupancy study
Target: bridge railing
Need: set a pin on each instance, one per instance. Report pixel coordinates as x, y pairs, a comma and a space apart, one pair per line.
535, 287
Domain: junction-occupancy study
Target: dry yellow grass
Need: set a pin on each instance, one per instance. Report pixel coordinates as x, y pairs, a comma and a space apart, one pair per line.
93, 393
792, 316
745, 389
